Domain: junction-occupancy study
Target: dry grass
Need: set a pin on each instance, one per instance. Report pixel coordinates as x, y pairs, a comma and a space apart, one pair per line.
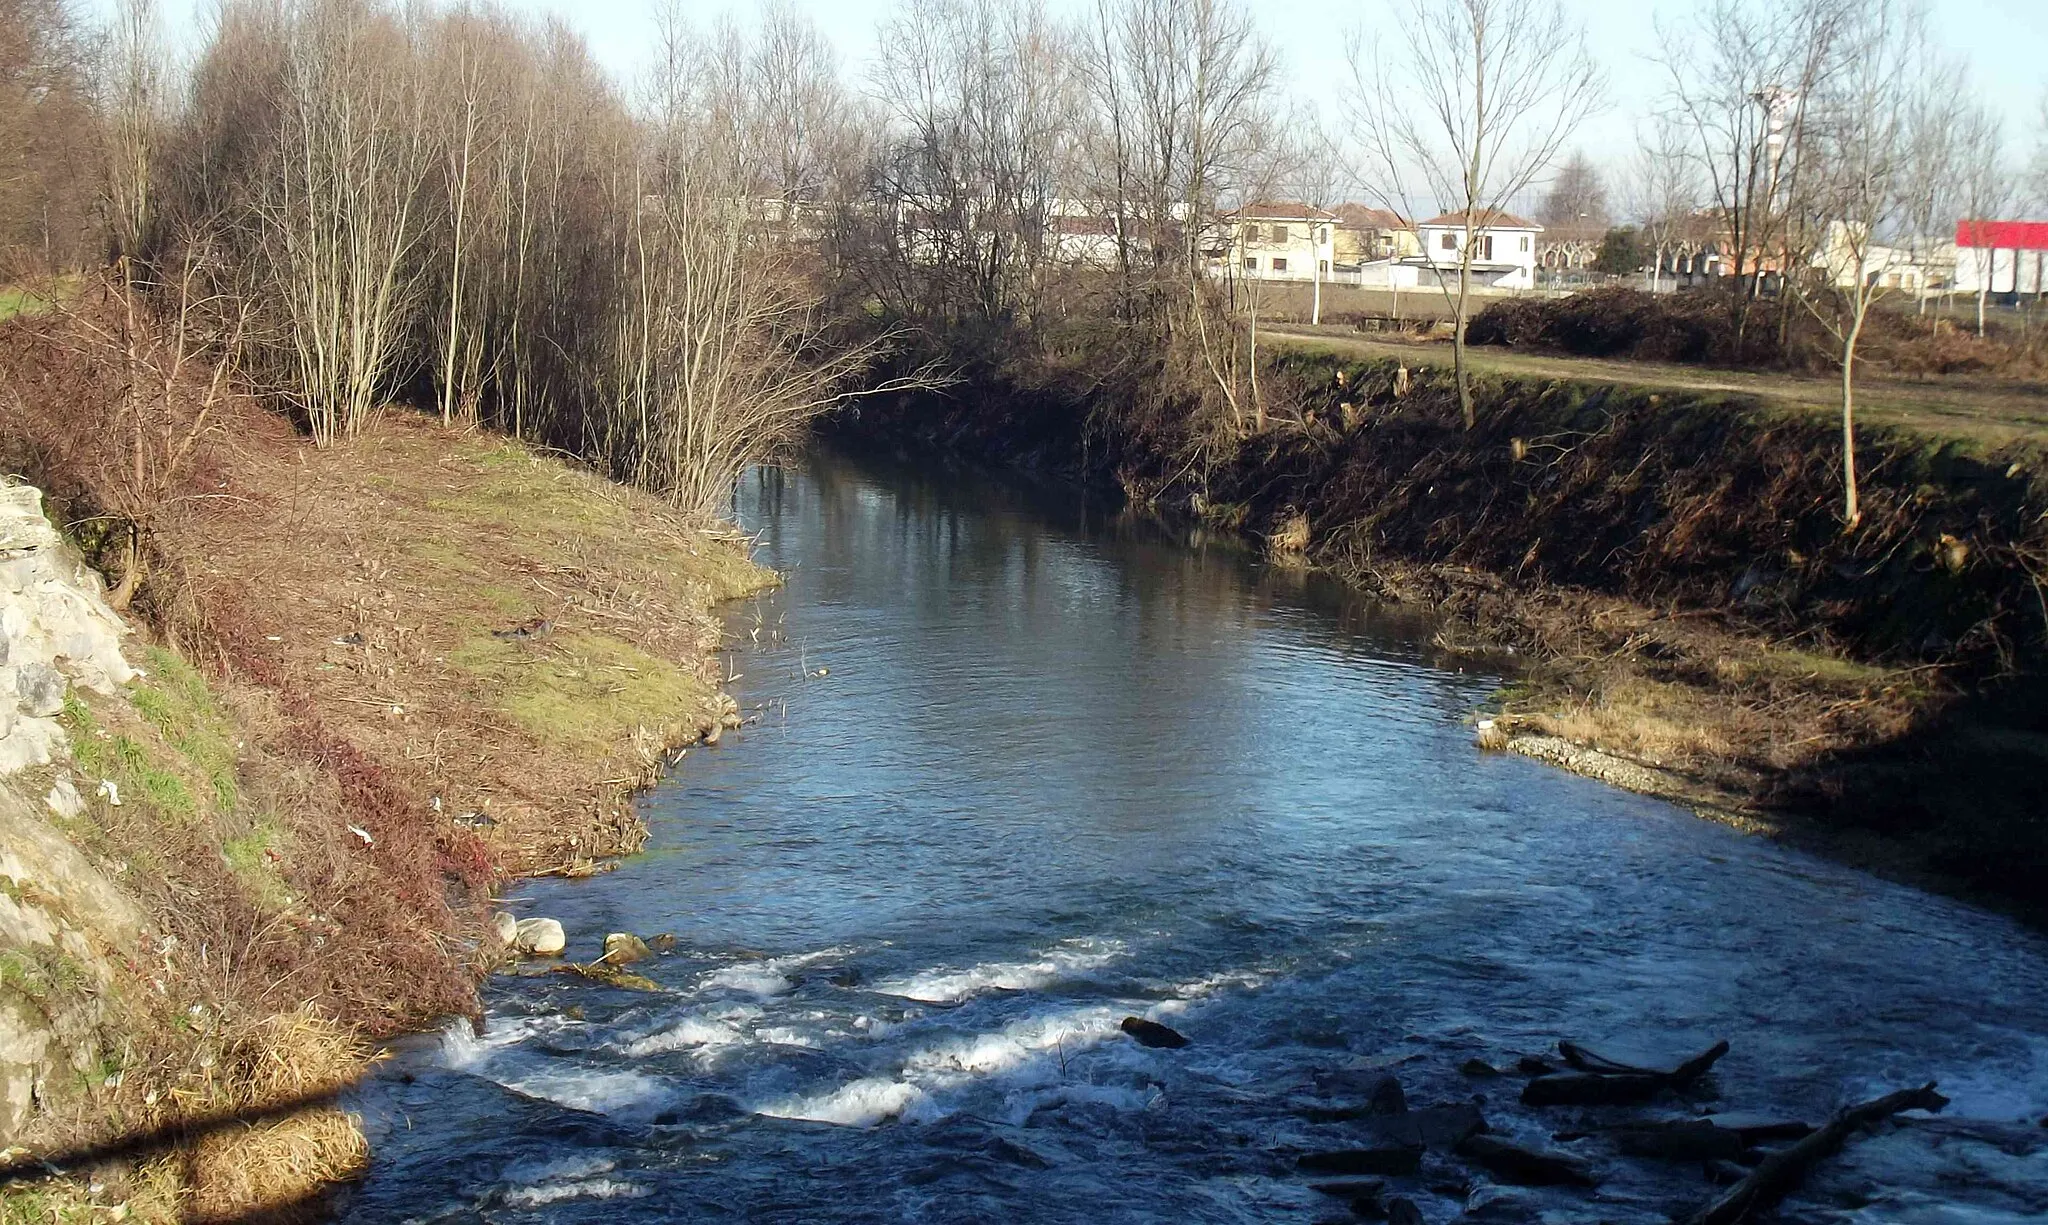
374, 581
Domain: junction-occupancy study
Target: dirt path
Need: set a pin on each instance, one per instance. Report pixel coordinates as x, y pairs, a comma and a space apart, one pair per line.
1987, 415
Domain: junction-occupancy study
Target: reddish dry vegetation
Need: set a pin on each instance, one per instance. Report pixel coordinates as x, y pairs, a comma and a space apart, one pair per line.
355, 597
335, 757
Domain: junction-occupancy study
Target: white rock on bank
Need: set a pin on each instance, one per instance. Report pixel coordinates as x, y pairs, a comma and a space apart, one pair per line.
539, 937
505, 926
56, 630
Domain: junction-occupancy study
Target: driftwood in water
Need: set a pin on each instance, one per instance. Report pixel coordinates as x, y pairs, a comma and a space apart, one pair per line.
1606, 1082
1689, 1140
1786, 1169
1579, 1057
1528, 1167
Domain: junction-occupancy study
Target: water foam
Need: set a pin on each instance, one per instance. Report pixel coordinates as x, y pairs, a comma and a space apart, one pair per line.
726, 1027
766, 977
590, 1188
863, 1103
1019, 1043
953, 986
625, 1094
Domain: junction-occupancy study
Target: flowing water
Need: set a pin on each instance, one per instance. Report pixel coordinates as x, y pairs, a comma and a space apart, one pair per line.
1020, 772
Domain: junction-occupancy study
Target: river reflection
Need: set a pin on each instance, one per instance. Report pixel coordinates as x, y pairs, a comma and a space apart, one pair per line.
1022, 768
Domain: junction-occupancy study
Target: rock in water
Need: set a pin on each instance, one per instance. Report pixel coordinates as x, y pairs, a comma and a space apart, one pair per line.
662, 943
505, 926
1402, 1211
1379, 1090
625, 948
1152, 1034
1398, 1160
539, 937
1526, 1167
1432, 1126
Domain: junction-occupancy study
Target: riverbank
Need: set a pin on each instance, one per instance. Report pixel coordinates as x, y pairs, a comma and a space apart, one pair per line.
1663, 574
376, 680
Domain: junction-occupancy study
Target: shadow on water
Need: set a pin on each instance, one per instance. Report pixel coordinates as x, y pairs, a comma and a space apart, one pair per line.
1019, 766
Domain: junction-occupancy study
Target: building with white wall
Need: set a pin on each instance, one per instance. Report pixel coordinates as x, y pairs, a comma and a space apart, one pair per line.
1282, 241
1503, 248
2001, 257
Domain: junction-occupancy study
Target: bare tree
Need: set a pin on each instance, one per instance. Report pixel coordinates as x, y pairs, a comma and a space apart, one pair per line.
2037, 184
1984, 186
1743, 75
1932, 170
1664, 195
1576, 196
46, 121
1864, 159
1476, 101
133, 106
982, 96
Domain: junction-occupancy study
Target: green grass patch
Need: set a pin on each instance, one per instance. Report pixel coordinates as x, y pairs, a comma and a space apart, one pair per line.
40, 974
248, 857
178, 702
585, 690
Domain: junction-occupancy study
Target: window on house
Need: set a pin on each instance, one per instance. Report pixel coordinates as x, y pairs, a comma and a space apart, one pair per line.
1279, 233
1251, 263
1486, 246
1450, 241
1525, 242
1324, 265
1279, 264
1251, 233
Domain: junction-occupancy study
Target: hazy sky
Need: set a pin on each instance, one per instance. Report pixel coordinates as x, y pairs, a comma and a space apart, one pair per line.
2004, 43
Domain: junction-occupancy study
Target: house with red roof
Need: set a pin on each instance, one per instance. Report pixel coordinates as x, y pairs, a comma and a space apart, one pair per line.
1503, 248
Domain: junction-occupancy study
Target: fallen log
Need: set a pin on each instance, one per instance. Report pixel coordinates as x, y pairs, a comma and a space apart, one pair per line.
1784, 1170
1592, 1089
1615, 1083
1576, 1056
1528, 1167
1692, 1140
1579, 1057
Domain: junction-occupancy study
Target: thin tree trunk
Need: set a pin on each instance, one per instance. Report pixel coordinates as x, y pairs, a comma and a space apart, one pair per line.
1852, 511
1458, 368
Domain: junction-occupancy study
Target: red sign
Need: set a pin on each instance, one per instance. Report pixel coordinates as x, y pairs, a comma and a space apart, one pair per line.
2004, 235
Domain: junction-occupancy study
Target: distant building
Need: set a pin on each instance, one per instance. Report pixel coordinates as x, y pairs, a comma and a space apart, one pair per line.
1367, 235
1503, 248
1283, 241
2001, 257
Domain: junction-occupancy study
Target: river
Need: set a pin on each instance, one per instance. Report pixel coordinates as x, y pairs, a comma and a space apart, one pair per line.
1020, 770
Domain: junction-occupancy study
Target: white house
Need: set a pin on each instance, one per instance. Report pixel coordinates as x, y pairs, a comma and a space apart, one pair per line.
1503, 248
1282, 242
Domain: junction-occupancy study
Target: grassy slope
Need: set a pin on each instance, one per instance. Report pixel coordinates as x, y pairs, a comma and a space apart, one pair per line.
341, 606
373, 582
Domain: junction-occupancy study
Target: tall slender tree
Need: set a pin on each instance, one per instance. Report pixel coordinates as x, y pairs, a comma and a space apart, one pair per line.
1476, 100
